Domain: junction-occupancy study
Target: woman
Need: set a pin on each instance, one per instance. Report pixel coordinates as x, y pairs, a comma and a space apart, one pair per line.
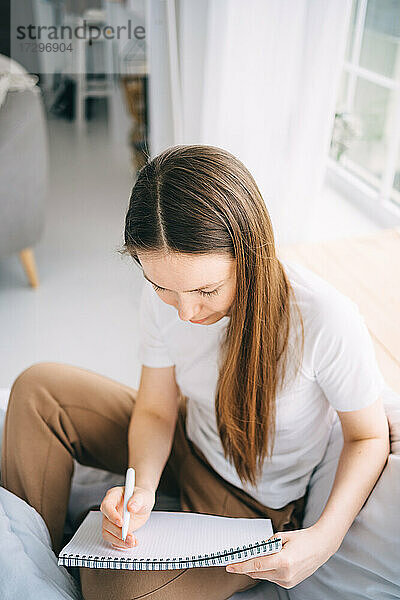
264, 354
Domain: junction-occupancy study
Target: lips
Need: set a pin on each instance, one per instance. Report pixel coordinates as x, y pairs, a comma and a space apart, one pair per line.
201, 320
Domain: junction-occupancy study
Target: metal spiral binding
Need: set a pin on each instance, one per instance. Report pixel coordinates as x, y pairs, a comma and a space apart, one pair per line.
160, 564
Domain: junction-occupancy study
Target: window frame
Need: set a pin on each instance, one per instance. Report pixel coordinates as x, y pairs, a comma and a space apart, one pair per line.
380, 195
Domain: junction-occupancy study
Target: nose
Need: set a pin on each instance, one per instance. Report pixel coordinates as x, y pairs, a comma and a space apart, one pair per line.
187, 310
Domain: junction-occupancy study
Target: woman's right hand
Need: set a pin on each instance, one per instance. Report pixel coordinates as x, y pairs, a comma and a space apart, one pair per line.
140, 506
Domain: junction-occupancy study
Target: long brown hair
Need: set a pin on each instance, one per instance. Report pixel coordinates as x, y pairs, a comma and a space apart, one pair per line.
201, 199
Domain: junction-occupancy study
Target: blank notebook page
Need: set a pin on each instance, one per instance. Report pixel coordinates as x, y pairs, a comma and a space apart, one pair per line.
174, 537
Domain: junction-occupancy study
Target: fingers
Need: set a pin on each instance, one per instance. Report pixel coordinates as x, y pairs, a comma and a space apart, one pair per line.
271, 562
138, 503
117, 542
276, 568
109, 504
285, 536
139, 507
113, 534
114, 529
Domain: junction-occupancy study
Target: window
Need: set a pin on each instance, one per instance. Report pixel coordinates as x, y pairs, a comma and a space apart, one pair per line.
365, 146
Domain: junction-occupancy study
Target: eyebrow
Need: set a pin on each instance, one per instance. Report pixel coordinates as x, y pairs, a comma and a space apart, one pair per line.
196, 290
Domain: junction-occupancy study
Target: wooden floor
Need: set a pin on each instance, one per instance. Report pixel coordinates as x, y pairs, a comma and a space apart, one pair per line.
367, 269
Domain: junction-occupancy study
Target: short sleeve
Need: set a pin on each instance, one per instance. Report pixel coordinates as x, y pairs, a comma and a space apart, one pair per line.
344, 359
152, 350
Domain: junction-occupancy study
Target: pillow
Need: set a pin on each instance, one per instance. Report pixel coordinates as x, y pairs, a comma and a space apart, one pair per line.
4, 395
392, 407
14, 77
28, 566
264, 590
366, 566
2, 417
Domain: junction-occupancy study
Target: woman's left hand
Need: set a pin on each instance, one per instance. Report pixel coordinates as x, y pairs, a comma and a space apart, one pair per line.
303, 551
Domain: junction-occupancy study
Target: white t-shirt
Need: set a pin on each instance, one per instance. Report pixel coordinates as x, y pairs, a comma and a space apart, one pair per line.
338, 371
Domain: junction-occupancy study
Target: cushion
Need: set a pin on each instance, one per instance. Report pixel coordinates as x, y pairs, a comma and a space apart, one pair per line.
4, 395
392, 401
14, 77
28, 566
2, 417
366, 566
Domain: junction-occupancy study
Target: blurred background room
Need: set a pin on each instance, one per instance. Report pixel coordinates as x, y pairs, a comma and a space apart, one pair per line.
305, 93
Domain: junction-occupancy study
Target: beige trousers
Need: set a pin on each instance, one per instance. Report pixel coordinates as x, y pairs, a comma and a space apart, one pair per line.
58, 412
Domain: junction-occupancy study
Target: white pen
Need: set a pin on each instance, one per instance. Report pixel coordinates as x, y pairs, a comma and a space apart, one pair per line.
129, 487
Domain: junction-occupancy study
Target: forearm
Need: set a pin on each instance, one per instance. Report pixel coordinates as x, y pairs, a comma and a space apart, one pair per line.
149, 442
360, 464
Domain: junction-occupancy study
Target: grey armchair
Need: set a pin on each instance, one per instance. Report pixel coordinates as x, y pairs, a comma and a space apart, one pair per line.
23, 175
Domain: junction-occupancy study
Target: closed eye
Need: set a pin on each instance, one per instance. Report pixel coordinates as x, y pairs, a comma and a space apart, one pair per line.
201, 292
213, 293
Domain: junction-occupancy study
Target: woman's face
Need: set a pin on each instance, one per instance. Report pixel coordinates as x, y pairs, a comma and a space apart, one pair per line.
200, 287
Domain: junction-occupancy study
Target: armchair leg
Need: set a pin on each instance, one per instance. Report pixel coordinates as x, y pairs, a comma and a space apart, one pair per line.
27, 259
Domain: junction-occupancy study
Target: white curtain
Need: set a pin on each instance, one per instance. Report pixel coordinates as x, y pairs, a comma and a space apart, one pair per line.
258, 78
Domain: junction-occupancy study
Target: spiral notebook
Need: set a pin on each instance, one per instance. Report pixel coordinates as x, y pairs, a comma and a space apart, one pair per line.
172, 540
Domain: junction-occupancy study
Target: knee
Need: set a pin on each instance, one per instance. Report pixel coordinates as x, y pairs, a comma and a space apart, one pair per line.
28, 381
33, 374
